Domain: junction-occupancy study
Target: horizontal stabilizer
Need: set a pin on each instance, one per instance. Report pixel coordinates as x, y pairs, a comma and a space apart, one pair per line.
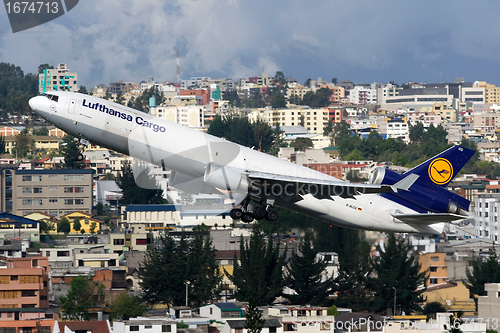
405, 183
427, 219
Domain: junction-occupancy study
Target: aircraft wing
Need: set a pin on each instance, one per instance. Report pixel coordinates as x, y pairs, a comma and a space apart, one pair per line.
321, 188
426, 219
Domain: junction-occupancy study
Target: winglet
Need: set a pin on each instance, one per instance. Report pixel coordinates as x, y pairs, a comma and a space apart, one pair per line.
405, 183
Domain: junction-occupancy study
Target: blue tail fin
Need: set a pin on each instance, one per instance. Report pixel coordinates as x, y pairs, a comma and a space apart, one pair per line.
442, 168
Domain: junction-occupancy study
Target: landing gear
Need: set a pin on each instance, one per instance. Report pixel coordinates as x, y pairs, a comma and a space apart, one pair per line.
259, 213
247, 217
271, 215
80, 157
236, 213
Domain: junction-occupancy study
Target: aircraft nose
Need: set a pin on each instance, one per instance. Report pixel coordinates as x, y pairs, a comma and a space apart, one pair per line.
34, 102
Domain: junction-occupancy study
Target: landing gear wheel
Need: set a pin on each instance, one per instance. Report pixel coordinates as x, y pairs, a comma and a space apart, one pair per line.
272, 215
259, 213
236, 213
247, 217
80, 157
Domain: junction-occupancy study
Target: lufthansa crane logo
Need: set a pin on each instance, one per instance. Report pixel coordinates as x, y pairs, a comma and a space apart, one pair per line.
440, 171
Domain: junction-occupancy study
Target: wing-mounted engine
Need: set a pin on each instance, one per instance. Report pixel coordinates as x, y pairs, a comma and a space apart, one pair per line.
225, 178
428, 198
191, 184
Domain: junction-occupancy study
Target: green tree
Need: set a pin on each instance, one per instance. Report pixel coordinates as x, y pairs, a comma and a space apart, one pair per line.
305, 274
76, 224
163, 272
43, 131
328, 128
332, 311
398, 270
254, 321
125, 307
279, 101
264, 135
203, 270
43, 67
83, 90
431, 308
416, 133
2, 145
64, 225
134, 194
47, 226
302, 143
83, 295
259, 273
93, 226
73, 157
119, 98
24, 143
482, 272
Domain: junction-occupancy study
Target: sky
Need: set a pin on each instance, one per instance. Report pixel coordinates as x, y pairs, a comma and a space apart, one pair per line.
364, 40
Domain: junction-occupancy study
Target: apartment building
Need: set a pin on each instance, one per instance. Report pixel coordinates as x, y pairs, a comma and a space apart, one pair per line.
486, 210
54, 191
24, 283
363, 95
436, 265
59, 78
314, 120
188, 115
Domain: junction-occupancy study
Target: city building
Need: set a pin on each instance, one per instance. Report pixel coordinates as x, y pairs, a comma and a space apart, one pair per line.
436, 265
24, 283
58, 78
488, 307
12, 226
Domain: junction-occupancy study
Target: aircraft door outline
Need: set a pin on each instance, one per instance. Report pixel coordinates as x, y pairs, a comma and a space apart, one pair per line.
71, 106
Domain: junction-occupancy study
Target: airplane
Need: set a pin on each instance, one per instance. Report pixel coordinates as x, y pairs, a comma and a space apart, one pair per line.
413, 202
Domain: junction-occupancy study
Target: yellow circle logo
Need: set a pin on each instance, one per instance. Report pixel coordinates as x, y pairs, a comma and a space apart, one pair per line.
440, 171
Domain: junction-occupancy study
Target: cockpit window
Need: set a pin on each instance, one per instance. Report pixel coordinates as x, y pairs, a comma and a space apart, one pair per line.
54, 98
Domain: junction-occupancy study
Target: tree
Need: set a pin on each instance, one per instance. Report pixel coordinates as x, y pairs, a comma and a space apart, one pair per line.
47, 226
119, 98
83, 295
259, 273
302, 143
279, 101
44, 131
263, 135
328, 128
432, 308
125, 307
398, 270
169, 265
83, 90
254, 321
416, 133
76, 224
305, 274
64, 225
93, 226
73, 158
134, 194
332, 311
482, 272
43, 67
203, 270
24, 143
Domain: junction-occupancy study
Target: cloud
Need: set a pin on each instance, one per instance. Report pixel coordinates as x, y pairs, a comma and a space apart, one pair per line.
106, 41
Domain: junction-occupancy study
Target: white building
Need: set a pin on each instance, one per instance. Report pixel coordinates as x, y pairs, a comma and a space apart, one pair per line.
487, 207
188, 115
363, 95
57, 79
145, 325
488, 307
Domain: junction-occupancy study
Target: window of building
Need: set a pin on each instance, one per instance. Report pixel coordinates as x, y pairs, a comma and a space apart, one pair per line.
52, 188
134, 328
53, 200
434, 258
148, 327
78, 201
27, 190
288, 327
166, 328
28, 293
36, 178
37, 190
73, 178
52, 176
26, 178
434, 269
433, 281
68, 201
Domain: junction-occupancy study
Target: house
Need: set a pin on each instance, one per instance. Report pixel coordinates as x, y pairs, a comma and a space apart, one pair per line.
89, 326
238, 326
221, 311
145, 325
87, 223
359, 322
488, 307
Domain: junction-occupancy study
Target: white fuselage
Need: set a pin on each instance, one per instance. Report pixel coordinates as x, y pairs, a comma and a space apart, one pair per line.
188, 152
